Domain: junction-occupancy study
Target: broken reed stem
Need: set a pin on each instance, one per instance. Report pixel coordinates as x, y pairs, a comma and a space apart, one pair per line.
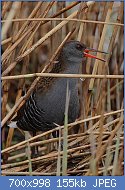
62, 76
57, 128
101, 170
70, 138
53, 155
64, 19
20, 155
44, 148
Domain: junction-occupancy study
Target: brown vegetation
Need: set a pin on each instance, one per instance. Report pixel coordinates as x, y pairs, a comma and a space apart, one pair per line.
33, 34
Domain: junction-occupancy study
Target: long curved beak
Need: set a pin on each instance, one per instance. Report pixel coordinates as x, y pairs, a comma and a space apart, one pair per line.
87, 50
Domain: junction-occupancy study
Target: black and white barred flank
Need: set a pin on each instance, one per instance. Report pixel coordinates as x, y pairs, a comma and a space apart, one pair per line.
31, 118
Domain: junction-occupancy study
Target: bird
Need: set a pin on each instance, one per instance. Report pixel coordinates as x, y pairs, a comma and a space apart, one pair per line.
46, 105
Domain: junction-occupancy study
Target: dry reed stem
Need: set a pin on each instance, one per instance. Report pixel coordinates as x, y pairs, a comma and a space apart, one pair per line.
50, 131
56, 14
65, 19
115, 31
38, 43
110, 48
36, 27
52, 173
11, 112
82, 95
16, 40
101, 43
44, 148
22, 154
62, 76
23, 28
22, 33
5, 7
113, 133
75, 156
70, 136
54, 155
11, 14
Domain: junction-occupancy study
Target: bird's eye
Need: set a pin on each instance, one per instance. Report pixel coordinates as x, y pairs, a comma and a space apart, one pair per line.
79, 47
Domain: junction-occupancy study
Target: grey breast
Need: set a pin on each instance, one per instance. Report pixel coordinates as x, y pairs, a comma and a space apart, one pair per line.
52, 102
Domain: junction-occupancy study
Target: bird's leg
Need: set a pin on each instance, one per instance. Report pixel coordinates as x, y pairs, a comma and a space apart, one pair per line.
55, 135
34, 149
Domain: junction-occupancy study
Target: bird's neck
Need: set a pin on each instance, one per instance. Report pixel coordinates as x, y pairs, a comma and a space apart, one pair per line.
67, 66
74, 69
71, 66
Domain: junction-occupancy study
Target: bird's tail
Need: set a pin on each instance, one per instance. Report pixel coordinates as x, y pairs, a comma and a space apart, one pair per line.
12, 124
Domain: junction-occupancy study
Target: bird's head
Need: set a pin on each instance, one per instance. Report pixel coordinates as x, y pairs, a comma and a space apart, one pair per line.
76, 51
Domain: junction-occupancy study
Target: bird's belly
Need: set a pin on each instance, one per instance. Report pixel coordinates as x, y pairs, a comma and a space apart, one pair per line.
53, 103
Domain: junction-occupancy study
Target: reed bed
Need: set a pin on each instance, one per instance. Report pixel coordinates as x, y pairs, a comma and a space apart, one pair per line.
29, 33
